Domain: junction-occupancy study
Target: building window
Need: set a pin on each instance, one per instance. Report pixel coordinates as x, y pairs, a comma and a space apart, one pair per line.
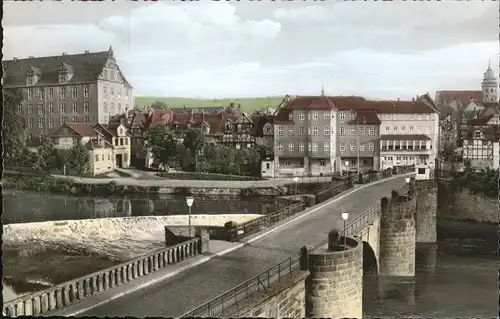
74, 91
301, 116
322, 163
290, 116
352, 130
109, 157
121, 141
395, 128
30, 109
332, 131
74, 107
86, 107
86, 119
75, 119
371, 146
49, 122
291, 146
326, 130
280, 146
112, 93
326, 146
326, 115
301, 130
19, 110
126, 142
342, 116
290, 130
30, 123
40, 109
315, 146
113, 108
30, 79
50, 93
371, 130
362, 148
301, 146
361, 130
105, 108
63, 77
39, 93
387, 128
352, 146
30, 94
103, 157
287, 163
315, 130
97, 157
40, 122
280, 130
268, 129
119, 108
315, 115
342, 130
86, 91
62, 107
62, 92
105, 91
411, 128
342, 146
51, 108
403, 128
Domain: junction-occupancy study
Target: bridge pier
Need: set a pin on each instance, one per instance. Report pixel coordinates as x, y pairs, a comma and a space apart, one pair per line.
397, 236
426, 193
334, 288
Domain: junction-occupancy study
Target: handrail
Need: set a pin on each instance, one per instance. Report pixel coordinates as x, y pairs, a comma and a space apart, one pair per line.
62, 295
216, 305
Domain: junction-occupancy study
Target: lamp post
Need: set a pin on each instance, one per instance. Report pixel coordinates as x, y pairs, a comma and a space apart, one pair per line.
407, 180
296, 180
344, 216
346, 168
189, 202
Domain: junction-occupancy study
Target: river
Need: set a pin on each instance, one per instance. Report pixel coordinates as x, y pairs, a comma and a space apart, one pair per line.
458, 277
23, 207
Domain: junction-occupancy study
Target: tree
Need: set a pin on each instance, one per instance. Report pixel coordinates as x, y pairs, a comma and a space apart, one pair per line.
194, 142
159, 105
46, 157
14, 126
162, 143
78, 158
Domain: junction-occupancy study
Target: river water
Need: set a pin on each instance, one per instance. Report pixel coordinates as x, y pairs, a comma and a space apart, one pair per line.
22, 207
458, 277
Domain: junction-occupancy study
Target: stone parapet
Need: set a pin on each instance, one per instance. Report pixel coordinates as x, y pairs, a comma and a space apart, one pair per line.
334, 288
397, 236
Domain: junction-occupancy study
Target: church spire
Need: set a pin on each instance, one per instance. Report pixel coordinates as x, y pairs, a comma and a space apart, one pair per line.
322, 91
489, 63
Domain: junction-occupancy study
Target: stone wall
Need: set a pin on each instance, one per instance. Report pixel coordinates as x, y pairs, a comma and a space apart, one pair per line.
397, 236
426, 196
463, 205
284, 299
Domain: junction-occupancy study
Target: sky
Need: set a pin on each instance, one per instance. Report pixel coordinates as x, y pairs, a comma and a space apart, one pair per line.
248, 49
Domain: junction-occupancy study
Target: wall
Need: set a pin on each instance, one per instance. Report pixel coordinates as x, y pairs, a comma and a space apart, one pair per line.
462, 205
105, 162
284, 299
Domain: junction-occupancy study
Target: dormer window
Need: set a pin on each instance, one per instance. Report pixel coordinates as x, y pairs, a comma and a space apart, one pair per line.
63, 77
477, 134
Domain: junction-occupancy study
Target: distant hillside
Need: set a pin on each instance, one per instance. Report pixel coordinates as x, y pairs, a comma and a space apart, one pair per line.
247, 104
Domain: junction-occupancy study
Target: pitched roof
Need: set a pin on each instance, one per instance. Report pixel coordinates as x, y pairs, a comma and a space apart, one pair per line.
197, 109
261, 120
462, 96
92, 144
86, 68
366, 117
412, 137
82, 129
491, 133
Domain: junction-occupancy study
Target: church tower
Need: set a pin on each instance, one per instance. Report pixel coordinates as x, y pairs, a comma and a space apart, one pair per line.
489, 86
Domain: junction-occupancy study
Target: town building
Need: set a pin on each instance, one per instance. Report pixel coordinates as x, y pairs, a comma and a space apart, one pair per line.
108, 146
264, 138
318, 135
86, 88
481, 147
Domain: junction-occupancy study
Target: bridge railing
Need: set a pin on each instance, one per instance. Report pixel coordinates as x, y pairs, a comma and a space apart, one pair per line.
65, 294
263, 281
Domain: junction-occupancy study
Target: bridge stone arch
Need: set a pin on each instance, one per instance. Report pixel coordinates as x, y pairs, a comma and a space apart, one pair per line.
370, 238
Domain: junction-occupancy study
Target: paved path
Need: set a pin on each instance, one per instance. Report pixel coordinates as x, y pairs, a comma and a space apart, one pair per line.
194, 183
194, 286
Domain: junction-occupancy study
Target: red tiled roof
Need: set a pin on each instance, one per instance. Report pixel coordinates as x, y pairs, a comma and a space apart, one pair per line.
83, 129
366, 117
92, 144
462, 96
491, 133
414, 137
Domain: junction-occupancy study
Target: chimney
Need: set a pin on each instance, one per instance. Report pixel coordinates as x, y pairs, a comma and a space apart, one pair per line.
86, 51
64, 53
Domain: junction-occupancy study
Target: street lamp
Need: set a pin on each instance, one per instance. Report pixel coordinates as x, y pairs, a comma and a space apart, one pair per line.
346, 168
189, 202
407, 180
344, 216
296, 180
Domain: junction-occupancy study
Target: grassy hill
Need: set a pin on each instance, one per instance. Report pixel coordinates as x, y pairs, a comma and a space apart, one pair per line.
247, 104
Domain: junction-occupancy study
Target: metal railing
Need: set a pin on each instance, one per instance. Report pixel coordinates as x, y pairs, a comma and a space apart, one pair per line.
65, 294
263, 281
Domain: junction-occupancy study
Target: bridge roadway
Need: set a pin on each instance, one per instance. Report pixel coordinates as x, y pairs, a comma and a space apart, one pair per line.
194, 286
